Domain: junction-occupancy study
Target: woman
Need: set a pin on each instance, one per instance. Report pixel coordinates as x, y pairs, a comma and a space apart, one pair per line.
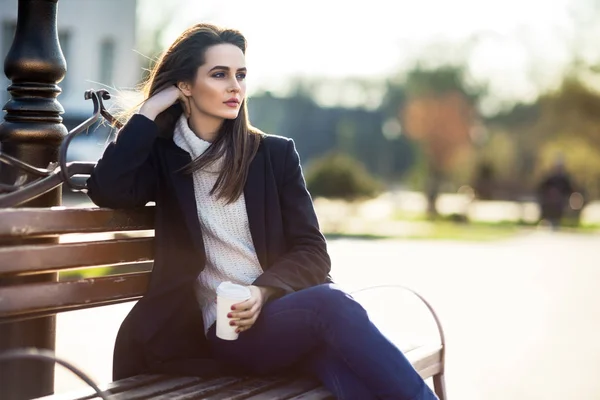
232, 205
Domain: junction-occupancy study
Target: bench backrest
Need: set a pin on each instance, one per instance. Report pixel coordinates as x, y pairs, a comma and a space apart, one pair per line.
44, 242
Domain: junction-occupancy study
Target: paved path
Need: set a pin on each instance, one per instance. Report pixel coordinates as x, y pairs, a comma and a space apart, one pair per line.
522, 316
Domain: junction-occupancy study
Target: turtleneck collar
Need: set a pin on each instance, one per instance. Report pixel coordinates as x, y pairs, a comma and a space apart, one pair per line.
187, 140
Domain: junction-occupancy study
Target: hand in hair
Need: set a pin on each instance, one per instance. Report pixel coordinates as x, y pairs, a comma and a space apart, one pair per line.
164, 99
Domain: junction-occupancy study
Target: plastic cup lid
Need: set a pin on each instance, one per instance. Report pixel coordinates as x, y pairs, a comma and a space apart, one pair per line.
233, 290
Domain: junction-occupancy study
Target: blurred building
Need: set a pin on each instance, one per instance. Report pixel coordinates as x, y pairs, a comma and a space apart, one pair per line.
97, 38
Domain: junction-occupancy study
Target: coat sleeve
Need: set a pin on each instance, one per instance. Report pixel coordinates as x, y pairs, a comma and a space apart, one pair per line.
125, 176
306, 263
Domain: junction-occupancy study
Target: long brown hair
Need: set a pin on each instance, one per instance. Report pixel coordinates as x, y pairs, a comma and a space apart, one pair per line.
237, 141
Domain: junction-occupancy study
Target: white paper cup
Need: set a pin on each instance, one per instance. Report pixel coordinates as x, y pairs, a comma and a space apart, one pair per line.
229, 294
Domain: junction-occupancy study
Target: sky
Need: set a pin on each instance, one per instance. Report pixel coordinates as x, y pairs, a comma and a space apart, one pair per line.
518, 46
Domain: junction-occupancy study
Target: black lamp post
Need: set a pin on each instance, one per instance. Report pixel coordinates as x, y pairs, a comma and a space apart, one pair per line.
32, 131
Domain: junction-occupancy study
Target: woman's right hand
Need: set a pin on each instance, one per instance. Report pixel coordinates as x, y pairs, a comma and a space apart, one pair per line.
164, 99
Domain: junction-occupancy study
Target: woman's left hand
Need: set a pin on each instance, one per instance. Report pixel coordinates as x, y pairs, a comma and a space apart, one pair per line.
249, 310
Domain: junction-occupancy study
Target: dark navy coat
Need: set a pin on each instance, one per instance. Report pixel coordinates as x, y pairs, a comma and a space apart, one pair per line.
164, 331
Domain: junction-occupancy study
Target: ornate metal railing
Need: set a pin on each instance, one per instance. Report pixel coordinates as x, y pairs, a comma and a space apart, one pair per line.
59, 173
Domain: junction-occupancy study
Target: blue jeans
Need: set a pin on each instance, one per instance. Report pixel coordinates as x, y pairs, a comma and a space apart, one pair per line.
324, 332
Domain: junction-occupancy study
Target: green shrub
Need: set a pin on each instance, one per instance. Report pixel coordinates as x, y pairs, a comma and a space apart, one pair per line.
339, 176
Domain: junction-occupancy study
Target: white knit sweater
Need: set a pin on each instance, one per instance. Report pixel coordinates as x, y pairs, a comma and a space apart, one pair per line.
230, 253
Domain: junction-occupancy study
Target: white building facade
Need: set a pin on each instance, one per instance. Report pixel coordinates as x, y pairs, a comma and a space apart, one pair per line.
98, 40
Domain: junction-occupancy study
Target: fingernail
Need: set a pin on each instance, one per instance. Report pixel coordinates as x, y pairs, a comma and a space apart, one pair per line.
233, 307
229, 315
232, 323
237, 331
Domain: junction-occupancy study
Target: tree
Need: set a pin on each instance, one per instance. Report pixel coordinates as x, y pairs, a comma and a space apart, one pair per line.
438, 112
569, 123
563, 122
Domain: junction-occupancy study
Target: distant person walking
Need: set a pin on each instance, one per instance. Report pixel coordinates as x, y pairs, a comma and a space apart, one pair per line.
554, 192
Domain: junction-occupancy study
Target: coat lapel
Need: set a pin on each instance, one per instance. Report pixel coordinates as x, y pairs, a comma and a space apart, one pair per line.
183, 183
254, 195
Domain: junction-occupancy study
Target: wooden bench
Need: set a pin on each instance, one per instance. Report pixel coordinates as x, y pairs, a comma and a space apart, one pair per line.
83, 238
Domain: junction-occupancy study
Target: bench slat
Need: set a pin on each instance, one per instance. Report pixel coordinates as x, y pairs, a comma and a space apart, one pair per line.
201, 390
319, 393
129, 384
29, 259
424, 355
19, 302
431, 370
291, 388
156, 389
427, 360
111, 388
19, 222
247, 388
